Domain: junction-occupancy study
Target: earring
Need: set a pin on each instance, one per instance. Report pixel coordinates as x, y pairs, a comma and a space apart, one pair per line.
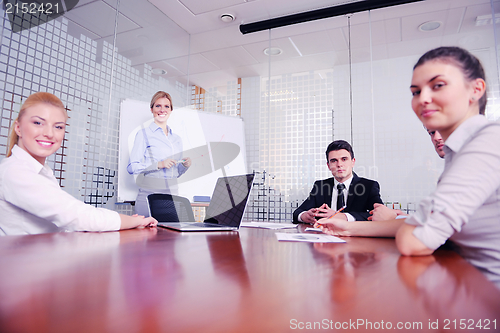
473, 99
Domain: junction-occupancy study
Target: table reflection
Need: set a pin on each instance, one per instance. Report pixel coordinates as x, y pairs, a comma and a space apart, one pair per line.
444, 287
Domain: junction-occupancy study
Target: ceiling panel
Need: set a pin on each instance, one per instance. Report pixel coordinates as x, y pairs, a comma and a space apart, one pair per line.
360, 35
313, 43
199, 7
230, 57
223, 38
99, 18
197, 64
471, 12
338, 39
411, 23
393, 30
171, 70
454, 21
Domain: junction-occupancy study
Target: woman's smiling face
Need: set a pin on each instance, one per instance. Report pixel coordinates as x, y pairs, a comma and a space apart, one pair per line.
442, 98
161, 110
41, 130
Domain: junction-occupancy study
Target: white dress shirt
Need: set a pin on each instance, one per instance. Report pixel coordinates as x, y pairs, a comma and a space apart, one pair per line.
31, 201
465, 207
347, 183
333, 204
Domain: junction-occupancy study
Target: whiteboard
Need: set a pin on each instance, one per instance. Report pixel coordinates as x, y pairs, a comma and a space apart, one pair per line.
215, 143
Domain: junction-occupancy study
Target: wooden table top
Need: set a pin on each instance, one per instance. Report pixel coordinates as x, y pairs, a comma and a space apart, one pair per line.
156, 280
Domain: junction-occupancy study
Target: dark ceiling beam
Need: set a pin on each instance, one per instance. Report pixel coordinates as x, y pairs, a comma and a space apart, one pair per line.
319, 14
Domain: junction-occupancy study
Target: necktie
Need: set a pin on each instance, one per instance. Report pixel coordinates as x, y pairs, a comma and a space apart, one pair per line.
340, 196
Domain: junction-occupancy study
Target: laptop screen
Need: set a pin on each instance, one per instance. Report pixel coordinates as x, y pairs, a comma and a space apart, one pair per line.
229, 200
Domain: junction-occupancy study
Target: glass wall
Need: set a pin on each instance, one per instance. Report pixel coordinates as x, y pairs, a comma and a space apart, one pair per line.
363, 98
81, 64
291, 113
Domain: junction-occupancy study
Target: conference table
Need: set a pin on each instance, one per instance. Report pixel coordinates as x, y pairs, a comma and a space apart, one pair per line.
157, 280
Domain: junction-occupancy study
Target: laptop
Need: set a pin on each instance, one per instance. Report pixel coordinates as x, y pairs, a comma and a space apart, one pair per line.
226, 209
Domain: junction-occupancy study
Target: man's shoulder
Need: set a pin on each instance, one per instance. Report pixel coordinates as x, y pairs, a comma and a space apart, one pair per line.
363, 180
324, 181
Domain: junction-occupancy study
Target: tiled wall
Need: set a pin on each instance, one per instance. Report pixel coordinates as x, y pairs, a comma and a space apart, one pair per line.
48, 58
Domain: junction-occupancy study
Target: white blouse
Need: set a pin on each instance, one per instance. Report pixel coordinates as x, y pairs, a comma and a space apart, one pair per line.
31, 201
465, 207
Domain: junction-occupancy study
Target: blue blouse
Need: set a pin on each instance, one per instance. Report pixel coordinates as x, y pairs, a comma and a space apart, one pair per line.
151, 145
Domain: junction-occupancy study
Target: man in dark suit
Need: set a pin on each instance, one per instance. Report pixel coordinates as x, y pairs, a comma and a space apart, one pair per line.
344, 190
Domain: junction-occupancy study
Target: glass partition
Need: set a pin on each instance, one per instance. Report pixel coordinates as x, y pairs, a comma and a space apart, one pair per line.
362, 97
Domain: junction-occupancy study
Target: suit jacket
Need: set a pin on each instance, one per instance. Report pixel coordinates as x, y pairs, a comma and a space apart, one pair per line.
363, 193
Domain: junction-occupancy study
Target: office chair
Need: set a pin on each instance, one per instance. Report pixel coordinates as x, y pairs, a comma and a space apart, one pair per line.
170, 208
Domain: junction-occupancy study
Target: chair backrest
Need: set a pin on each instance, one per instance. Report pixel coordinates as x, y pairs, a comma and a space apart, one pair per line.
170, 208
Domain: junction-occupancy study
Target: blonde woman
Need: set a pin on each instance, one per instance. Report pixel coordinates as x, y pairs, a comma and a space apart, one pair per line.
157, 154
31, 201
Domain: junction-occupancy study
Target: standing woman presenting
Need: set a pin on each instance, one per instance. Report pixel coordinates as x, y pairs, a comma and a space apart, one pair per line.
449, 96
31, 201
156, 156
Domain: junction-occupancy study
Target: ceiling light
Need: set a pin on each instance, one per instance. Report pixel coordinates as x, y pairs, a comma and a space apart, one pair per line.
487, 19
429, 26
158, 71
227, 18
274, 51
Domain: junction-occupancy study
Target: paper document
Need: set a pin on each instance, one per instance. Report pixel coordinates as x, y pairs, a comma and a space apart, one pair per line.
308, 238
268, 225
314, 229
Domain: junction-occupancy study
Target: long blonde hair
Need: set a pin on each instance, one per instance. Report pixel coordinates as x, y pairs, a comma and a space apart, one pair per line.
32, 100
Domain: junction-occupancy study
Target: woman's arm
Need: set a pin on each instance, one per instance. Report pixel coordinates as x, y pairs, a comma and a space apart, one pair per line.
40, 195
135, 221
469, 180
408, 244
137, 160
339, 227
381, 213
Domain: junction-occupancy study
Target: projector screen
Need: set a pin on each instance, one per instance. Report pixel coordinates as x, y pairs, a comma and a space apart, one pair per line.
215, 143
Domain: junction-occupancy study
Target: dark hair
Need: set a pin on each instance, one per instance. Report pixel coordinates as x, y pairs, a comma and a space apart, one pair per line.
471, 67
338, 145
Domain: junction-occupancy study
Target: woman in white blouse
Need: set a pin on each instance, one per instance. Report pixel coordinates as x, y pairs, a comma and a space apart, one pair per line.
449, 95
31, 201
